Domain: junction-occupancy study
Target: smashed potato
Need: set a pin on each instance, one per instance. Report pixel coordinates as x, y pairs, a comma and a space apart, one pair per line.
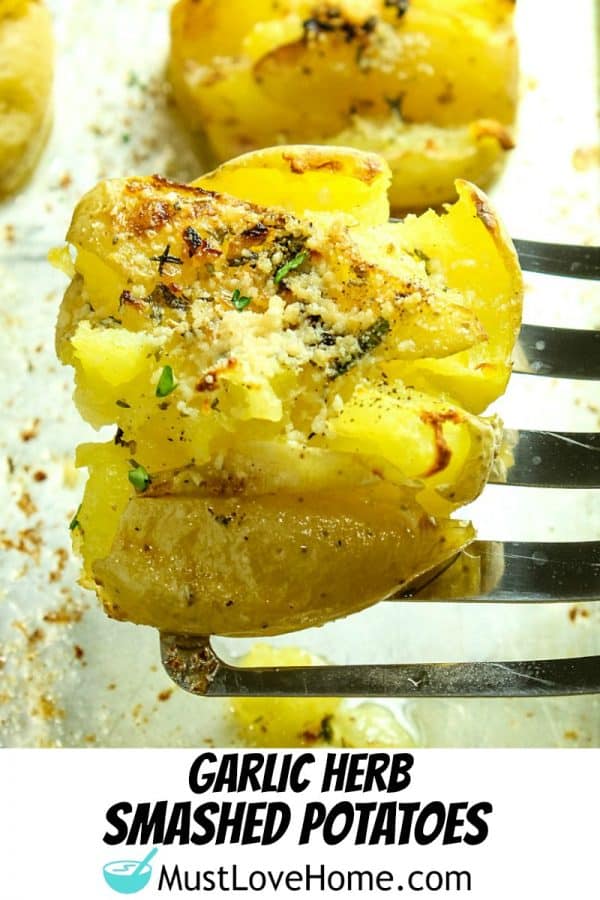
431, 85
296, 384
26, 66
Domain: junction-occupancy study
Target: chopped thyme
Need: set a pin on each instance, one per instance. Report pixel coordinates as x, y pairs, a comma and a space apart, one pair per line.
424, 258
288, 267
118, 438
75, 523
123, 404
139, 478
395, 103
326, 730
165, 258
401, 6
166, 383
243, 260
367, 340
238, 301
371, 337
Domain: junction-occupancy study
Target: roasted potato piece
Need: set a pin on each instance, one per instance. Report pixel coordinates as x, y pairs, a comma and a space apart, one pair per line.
263, 340
431, 86
251, 565
26, 66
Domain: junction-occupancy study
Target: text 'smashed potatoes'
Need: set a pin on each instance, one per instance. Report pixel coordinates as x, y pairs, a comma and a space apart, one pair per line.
296, 384
26, 66
431, 85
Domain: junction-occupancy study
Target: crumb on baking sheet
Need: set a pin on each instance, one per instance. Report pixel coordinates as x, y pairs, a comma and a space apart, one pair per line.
62, 556
66, 614
30, 431
28, 541
47, 709
26, 504
578, 612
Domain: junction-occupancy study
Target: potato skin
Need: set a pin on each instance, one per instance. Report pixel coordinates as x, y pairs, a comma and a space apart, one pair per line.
264, 565
433, 87
26, 68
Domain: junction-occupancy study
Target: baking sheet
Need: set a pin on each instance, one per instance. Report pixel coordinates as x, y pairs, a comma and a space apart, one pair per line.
71, 677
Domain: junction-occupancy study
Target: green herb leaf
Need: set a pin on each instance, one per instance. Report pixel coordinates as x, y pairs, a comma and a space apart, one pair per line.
288, 267
166, 383
367, 340
240, 302
75, 523
140, 479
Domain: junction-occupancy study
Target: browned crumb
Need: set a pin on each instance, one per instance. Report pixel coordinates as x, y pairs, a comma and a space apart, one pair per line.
47, 709
9, 233
39, 475
66, 180
78, 651
26, 504
28, 541
31, 431
62, 557
32, 637
90, 738
66, 614
576, 612
571, 735
111, 687
165, 695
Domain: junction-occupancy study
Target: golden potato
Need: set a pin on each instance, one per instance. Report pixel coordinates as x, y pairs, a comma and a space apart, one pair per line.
295, 381
431, 86
26, 65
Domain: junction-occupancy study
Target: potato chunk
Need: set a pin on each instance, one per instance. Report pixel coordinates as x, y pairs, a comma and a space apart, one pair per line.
26, 65
431, 86
266, 344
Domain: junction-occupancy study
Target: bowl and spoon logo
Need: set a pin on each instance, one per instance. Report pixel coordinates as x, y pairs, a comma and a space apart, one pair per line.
127, 876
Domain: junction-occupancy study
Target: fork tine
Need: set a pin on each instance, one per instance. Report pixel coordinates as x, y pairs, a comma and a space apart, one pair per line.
570, 260
559, 352
515, 572
521, 572
193, 665
554, 459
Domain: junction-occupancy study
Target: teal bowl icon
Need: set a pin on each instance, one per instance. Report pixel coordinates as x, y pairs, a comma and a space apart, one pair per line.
122, 876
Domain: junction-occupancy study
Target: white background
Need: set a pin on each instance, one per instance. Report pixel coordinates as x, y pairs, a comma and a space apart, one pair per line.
543, 840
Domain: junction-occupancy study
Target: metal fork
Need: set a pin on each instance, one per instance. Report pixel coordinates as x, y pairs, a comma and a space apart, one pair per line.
530, 572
